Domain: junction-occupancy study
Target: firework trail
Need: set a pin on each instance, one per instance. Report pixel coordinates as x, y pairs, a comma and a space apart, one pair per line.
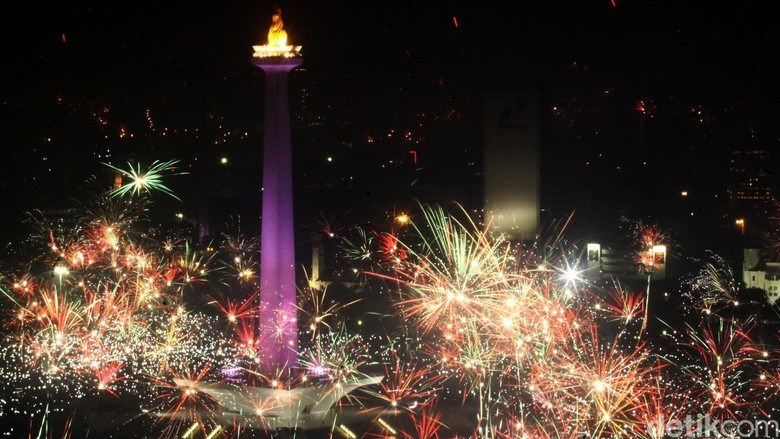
713, 287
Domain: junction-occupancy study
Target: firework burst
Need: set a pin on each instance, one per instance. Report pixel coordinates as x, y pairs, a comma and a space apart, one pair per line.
145, 181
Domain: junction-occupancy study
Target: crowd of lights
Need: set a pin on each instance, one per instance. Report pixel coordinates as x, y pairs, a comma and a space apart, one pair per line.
515, 336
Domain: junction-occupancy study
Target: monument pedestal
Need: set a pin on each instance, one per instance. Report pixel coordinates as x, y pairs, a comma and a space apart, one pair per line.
304, 408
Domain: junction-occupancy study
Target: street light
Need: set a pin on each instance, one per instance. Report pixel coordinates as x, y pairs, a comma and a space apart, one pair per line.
740, 223
61, 270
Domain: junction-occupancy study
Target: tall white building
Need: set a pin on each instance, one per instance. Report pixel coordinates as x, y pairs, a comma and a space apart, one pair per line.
512, 140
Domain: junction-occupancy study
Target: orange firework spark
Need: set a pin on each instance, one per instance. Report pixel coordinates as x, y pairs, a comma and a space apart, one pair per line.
426, 425
621, 305
181, 400
236, 312
406, 386
719, 364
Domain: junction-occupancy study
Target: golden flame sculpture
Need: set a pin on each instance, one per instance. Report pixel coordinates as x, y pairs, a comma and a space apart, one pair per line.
277, 41
277, 36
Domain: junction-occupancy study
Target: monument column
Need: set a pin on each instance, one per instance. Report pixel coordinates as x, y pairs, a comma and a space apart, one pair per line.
300, 407
278, 312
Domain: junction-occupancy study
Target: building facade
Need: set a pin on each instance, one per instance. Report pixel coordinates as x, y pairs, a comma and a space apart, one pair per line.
757, 273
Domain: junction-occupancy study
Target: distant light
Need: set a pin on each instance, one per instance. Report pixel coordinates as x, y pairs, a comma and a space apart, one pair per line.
179, 215
330, 159
571, 275
740, 223
318, 370
684, 193
223, 160
594, 252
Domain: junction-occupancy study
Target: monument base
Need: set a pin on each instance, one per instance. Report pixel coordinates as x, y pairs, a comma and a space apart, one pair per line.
263, 408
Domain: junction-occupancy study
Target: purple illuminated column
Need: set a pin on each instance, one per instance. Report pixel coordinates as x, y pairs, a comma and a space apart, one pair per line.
278, 323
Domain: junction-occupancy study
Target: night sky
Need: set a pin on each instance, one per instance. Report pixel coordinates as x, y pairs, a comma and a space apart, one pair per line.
645, 98
148, 48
